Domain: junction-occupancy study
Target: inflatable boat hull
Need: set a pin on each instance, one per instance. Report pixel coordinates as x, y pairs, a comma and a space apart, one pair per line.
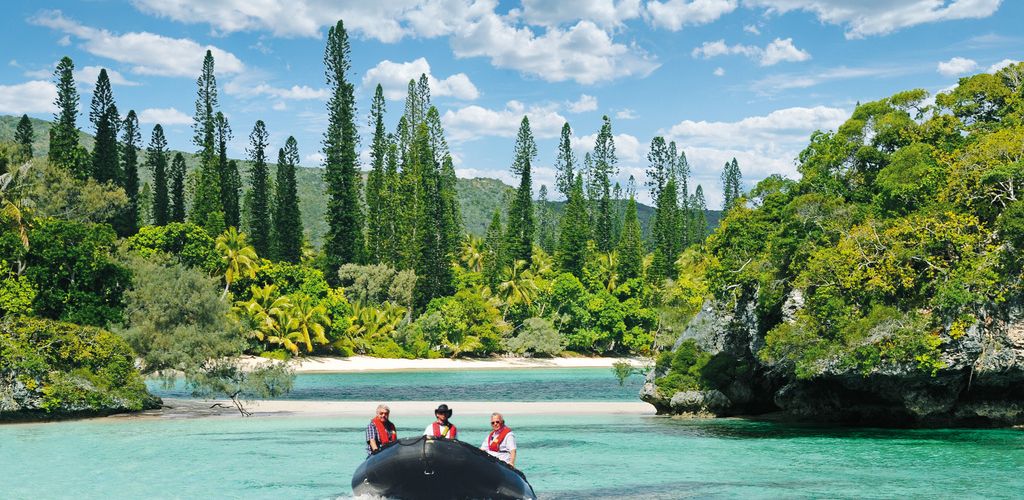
424, 468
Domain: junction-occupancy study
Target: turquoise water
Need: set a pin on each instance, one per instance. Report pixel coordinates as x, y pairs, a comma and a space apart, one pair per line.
563, 457
574, 456
556, 384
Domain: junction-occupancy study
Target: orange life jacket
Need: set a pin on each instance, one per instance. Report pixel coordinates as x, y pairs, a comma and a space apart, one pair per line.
495, 438
386, 433
451, 433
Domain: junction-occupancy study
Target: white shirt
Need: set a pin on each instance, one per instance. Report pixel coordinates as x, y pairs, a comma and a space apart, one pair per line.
429, 431
505, 449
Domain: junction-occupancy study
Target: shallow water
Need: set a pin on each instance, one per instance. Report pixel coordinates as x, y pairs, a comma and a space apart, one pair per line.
543, 384
563, 457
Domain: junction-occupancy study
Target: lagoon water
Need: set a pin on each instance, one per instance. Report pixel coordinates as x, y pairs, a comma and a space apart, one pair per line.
534, 384
585, 456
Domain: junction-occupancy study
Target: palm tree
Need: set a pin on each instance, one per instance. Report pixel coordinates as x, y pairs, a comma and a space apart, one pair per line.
309, 317
240, 258
472, 255
518, 287
12, 208
541, 263
607, 269
369, 324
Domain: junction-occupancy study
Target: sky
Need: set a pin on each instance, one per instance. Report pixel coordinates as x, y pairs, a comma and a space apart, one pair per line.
744, 79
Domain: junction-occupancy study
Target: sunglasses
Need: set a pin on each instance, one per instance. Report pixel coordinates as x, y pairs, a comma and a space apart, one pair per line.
497, 422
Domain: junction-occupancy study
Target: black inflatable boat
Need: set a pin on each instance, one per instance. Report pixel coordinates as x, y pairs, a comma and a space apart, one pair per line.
426, 468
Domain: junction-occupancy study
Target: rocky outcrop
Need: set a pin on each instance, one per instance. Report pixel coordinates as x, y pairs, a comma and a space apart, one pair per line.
980, 382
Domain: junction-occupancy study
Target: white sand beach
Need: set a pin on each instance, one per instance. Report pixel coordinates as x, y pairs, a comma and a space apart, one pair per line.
190, 408
315, 364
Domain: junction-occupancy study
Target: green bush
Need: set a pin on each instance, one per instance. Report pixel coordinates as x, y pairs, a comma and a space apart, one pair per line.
187, 242
68, 369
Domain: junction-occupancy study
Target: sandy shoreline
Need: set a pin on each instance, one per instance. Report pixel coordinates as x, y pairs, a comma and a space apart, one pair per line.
195, 408
351, 364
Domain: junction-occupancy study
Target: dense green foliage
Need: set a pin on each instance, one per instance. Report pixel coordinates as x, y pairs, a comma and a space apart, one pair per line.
286, 233
66, 369
902, 232
259, 222
207, 201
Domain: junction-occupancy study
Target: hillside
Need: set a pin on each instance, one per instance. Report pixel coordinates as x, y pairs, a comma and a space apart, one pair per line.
478, 197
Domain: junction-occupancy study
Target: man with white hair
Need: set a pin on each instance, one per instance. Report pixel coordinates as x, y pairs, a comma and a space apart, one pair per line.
380, 431
500, 443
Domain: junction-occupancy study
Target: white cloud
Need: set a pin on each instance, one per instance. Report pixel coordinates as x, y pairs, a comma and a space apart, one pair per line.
474, 122
64, 41
148, 53
719, 71
629, 151
164, 116
674, 14
763, 145
35, 96
601, 12
752, 29
626, 114
279, 106
583, 53
584, 104
87, 75
957, 66
315, 159
394, 78
786, 81
867, 18
241, 87
777, 51
1001, 64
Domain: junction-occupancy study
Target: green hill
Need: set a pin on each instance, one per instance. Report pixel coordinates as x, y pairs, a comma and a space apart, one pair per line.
478, 197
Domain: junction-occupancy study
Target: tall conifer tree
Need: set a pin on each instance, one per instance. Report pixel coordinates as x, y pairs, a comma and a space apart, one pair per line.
698, 207
519, 236
287, 239
103, 115
131, 142
731, 185
433, 267
259, 190
24, 136
631, 244
682, 169
494, 254
565, 163
604, 168
177, 175
344, 240
376, 189
207, 204
574, 231
545, 221
156, 161
230, 180
661, 179
393, 207
64, 148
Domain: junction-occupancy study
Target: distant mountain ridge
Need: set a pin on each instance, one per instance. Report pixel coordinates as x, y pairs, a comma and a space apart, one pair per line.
479, 197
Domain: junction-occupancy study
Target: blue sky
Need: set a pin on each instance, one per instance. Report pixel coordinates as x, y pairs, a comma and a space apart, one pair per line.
749, 79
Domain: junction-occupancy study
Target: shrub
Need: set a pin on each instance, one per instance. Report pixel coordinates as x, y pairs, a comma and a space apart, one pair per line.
66, 370
536, 336
187, 242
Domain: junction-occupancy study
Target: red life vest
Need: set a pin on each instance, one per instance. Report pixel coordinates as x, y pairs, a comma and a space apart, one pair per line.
493, 441
386, 433
452, 432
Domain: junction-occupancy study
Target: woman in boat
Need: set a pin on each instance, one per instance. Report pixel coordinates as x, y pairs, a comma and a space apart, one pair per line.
442, 428
501, 442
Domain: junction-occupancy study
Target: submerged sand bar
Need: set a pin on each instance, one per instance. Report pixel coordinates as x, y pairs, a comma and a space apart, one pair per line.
315, 364
194, 408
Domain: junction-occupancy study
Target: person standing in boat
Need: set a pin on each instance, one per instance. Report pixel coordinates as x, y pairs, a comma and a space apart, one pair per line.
442, 428
501, 442
380, 431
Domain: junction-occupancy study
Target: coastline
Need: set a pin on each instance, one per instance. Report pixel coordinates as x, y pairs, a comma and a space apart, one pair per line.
222, 408
358, 364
